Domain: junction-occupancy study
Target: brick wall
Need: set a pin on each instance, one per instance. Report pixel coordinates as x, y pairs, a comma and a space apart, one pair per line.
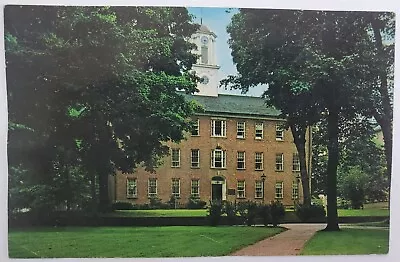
205, 143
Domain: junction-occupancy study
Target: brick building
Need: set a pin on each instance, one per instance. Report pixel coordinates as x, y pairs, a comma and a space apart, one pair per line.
237, 141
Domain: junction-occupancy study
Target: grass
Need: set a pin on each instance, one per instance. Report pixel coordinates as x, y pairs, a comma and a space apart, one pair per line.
363, 212
160, 213
179, 241
348, 241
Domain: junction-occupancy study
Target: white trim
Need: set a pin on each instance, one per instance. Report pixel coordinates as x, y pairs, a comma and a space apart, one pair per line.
148, 188
255, 130
172, 157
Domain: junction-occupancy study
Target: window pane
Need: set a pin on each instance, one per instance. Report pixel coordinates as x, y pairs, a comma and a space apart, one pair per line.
259, 189
259, 130
131, 188
195, 130
240, 160
279, 131
175, 157
176, 187
240, 129
195, 157
195, 192
152, 189
241, 189
279, 162
259, 161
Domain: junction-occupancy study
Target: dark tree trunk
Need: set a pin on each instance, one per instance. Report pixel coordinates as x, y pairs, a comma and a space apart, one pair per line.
383, 115
104, 200
333, 161
299, 134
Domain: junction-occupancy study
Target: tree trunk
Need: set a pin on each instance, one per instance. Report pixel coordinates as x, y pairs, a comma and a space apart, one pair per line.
333, 161
385, 117
104, 202
299, 135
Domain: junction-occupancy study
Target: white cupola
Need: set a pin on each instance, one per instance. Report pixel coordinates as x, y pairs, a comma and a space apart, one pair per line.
206, 66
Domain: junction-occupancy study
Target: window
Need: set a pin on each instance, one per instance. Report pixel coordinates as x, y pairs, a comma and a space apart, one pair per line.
218, 128
176, 187
152, 189
259, 189
195, 192
259, 160
241, 160
296, 162
295, 190
204, 55
175, 157
196, 130
279, 162
279, 132
241, 189
195, 158
259, 130
131, 188
279, 190
218, 158
241, 129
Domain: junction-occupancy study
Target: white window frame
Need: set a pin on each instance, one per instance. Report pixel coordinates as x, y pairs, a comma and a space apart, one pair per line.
257, 160
279, 132
241, 160
196, 128
192, 186
241, 189
259, 130
131, 182
296, 162
295, 190
174, 162
149, 187
176, 184
258, 189
223, 158
241, 130
223, 128
279, 165
194, 164
279, 190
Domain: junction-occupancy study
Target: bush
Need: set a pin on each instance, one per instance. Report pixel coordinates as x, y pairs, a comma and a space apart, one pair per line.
343, 203
214, 213
122, 206
277, 212
248, 211
195, 203
172, 202
264, 212
155, 203
230, 209
306, 212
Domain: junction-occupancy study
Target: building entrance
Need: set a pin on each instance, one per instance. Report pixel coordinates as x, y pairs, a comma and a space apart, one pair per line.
217, 189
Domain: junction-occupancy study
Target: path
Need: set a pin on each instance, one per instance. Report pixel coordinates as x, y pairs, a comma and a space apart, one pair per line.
288, 243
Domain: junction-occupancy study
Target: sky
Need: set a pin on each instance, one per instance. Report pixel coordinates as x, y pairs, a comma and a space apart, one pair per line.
217, 19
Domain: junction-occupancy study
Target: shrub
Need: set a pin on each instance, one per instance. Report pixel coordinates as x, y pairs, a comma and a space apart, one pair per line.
195, 203
155, 203
343, 203
172, 204
277, 212
214, 213
248, 211
122, 206
264, 212
306, 212
230, 210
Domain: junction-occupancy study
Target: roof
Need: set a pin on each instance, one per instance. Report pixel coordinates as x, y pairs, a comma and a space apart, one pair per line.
204, 28
235, 105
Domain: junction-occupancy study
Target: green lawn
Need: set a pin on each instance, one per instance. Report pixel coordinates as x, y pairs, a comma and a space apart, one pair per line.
179, 241
348, 241
362, 212
161, 213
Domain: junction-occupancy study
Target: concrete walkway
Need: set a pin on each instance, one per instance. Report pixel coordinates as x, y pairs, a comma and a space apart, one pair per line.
288, 243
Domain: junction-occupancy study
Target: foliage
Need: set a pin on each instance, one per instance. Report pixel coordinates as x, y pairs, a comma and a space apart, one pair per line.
277, 212
248, 211
195, 203
94, 89
120, 205
264, 212
307, 213
317, 65
214, 213
353, 185
156, 203
230, 209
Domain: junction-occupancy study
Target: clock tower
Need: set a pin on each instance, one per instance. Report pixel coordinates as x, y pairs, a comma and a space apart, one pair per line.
206, 66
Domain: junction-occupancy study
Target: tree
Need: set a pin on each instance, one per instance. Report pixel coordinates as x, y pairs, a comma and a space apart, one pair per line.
97, 87
316, 55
